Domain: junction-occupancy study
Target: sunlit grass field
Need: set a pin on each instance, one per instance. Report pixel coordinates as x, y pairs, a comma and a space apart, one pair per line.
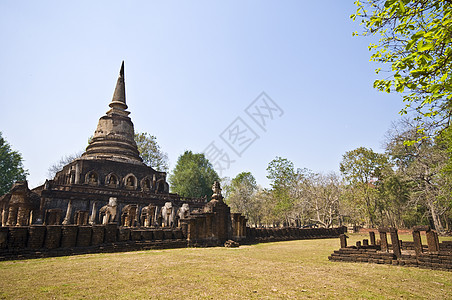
283, 270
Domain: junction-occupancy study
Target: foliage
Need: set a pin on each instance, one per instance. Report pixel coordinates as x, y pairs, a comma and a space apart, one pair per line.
283, 179
421, 164
193, 175
241, 197
150, 151
363, 168
281, 172
321, 198
11, 167
415, 40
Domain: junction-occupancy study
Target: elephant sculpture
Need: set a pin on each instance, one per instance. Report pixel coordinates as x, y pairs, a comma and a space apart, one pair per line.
129, 215
149, 215
109, 211
183, 212
168, 215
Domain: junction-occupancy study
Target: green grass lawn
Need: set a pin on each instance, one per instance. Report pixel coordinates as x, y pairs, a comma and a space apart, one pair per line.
283, 270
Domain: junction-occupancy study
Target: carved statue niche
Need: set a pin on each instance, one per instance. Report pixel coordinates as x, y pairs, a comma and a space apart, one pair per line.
130, 182
128, 215
161, 186
148, 215
168, 215
112, 180
146, 184
183, 212
92, 178
109, 211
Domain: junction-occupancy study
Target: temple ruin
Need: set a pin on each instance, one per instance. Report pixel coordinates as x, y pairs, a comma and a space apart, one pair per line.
434, 255
109, 200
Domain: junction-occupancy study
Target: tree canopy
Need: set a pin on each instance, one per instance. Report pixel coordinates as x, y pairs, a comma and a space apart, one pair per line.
363, 169
11, 166
241, 192
151, 152
415, 39
193, 175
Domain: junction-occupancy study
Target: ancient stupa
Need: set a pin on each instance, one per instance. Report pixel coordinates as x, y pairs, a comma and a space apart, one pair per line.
110, 168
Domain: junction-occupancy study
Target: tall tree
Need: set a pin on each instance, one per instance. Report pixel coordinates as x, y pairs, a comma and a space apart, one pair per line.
363, 168
193, 175
416, 42
11, 166
283, 178
151, 152
421, 163
323, 195
241, 196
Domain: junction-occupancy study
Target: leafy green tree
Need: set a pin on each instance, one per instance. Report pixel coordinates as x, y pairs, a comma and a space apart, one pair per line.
281, 172
193, 175
283, 178
363, 168
395, 203
415, 40
421, 164
11, 167
241, 198
150, 151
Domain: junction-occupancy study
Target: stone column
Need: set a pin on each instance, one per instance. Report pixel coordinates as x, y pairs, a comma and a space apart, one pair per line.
77, 174
191, 232
12, 217
417, 242
432, 241
67, 218
343, 239
234, 222
384, 240
2, 217
395, 242
243, 221
22, 216
92, 218
372, 238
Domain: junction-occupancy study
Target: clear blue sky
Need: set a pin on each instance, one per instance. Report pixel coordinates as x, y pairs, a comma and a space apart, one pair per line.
191, 68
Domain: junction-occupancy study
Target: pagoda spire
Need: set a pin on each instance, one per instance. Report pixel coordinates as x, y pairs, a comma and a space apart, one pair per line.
119, 96
114, 136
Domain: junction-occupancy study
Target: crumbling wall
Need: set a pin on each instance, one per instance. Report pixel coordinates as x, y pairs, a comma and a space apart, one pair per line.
434, 255
261, 235
19, 242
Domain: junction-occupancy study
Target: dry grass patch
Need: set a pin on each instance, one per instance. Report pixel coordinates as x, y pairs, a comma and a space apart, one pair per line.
284, 270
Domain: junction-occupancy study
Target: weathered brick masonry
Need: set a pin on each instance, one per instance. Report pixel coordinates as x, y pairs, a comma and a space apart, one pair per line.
434, 255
